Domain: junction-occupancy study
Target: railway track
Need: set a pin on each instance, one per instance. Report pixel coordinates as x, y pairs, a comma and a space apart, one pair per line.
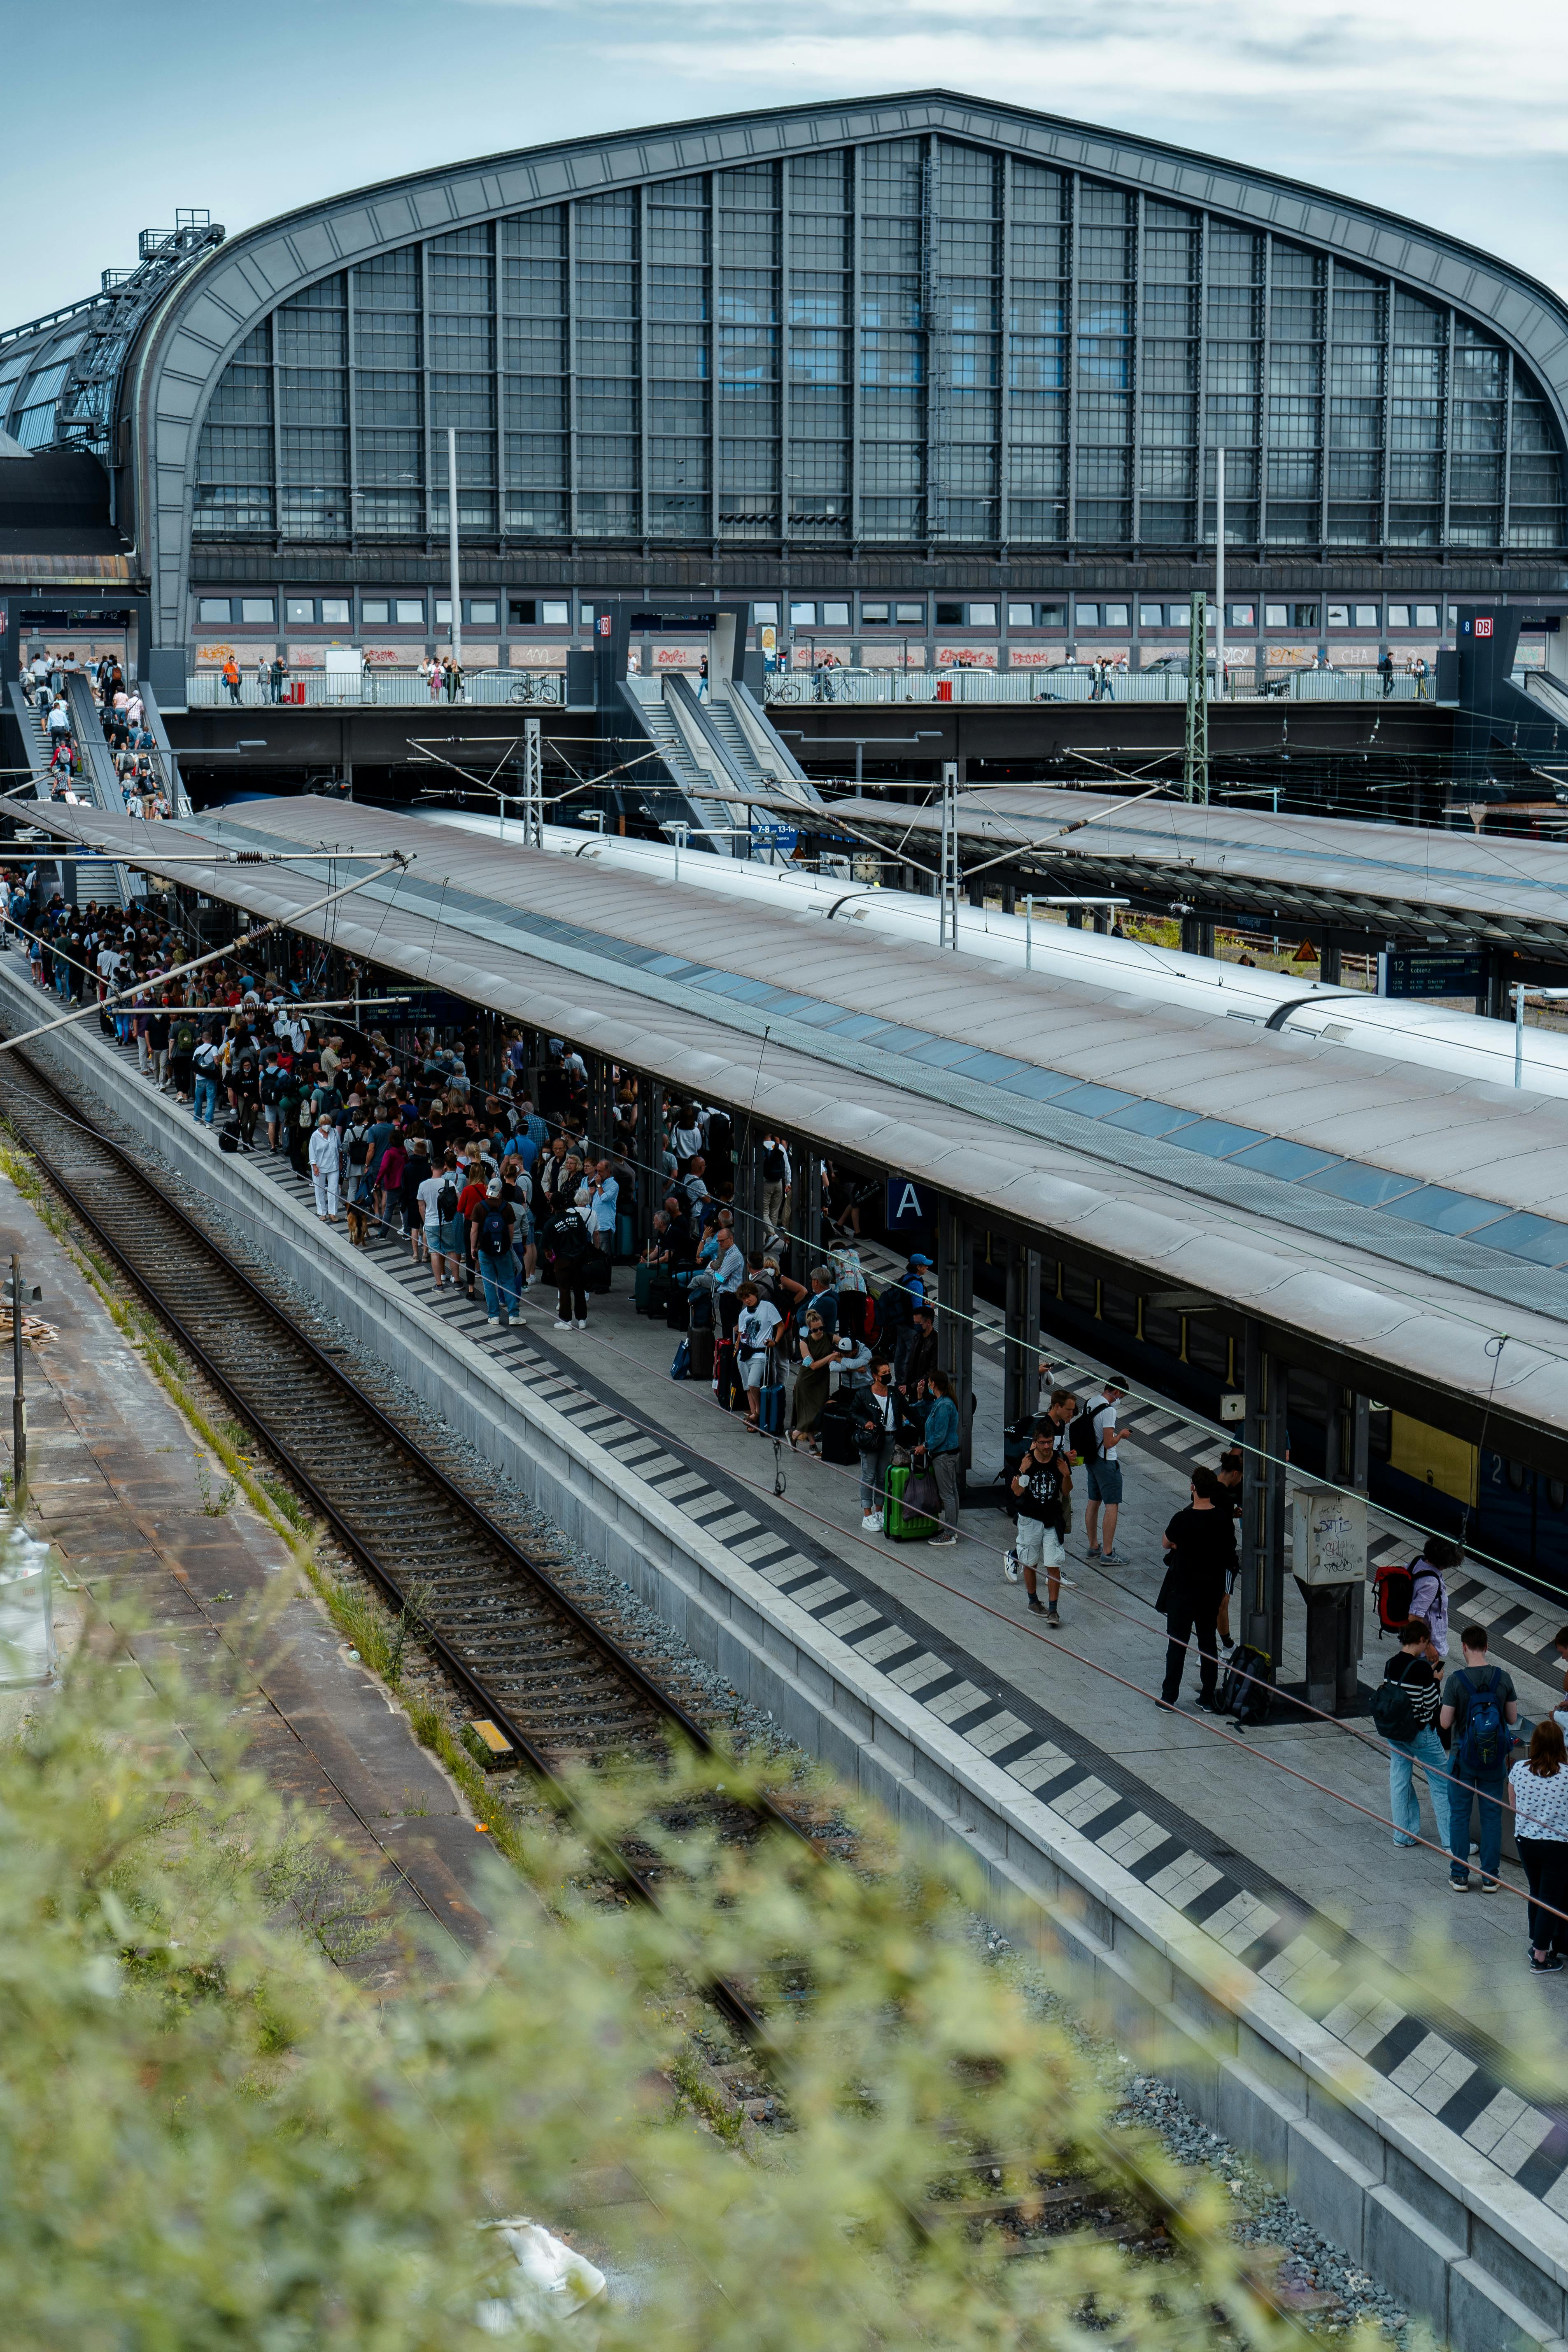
565, 1693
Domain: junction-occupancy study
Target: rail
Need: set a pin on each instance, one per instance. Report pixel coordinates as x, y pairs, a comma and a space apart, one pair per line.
372, 689
1073, 682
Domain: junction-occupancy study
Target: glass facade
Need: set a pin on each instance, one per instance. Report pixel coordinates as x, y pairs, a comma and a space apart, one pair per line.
911, 341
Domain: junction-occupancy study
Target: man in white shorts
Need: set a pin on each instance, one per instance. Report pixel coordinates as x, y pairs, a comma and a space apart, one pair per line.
1040, 1487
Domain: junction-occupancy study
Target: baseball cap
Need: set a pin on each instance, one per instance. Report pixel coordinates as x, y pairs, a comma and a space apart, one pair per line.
919, 1259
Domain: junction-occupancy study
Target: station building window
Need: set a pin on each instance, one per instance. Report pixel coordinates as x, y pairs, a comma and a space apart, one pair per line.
802, 616
374, 612
408, 612
766, 615
554, 614
982, 616
835, 616
334, 612
950, 616
915, 614
211, 609
257, 608
1150, 616
299, 611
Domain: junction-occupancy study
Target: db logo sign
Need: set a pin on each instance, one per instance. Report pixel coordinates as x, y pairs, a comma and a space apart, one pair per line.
605, 624
1483, 628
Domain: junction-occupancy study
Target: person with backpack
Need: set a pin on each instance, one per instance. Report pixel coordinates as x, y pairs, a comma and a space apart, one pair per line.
206, 1062
921, 1362
1417, 1589
1200, 1546
566, 1244
1095, 1438
181, 1056
493, 1226
1538, 1793
356, 1153
1478, 1706
445, 1232
1405, 1709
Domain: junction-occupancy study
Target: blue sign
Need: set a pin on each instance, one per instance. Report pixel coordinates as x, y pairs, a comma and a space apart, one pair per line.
906, 1204
783, 836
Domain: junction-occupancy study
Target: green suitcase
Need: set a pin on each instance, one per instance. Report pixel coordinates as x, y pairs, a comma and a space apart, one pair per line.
899, 1525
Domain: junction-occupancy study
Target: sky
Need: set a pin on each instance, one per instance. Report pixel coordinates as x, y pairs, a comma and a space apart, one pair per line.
1451, 113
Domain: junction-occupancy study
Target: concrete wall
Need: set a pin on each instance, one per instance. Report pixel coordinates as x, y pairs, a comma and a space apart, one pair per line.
1443, 2230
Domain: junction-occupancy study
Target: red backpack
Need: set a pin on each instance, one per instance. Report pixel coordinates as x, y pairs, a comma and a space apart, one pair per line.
1396, 1588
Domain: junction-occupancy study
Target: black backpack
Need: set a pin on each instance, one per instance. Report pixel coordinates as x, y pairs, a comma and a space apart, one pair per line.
447, 1203
1083, 1437
1245, 1693
1394, 1711
492, 1232
359, 1146
774, 1164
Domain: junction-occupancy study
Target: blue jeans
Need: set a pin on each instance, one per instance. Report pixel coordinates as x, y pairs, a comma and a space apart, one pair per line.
874, 1461
498, 1275
1404, 1755
206, 1092
1491, 1788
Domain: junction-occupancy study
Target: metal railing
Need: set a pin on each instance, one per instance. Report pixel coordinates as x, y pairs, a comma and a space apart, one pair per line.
1070, 682
373, 689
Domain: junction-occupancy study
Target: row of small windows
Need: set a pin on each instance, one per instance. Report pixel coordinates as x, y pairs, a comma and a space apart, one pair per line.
574, 347
914, 612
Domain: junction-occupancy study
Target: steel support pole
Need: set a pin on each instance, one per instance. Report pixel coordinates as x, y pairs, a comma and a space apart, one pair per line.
1196, 756
452, 544
1218, 576
1262, 1547
807, 1162
949, 882
1020, 1370
532, 787
955, 1317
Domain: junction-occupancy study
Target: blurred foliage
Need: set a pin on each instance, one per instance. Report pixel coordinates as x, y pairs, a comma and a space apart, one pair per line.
211, 2134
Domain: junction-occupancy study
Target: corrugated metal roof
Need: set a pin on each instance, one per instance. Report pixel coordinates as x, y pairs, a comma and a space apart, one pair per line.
506, 929
1486, 886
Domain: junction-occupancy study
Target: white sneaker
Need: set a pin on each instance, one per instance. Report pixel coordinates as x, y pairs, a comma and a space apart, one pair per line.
1010, 1566
872, 1519
561, 1325
581, 1322
491, 1321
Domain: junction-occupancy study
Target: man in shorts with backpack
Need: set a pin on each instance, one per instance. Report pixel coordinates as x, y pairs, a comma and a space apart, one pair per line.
1478, 1706
1039, 1488
1095, 1438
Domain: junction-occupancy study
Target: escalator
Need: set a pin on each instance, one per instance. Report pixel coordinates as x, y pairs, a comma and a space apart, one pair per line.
718, 754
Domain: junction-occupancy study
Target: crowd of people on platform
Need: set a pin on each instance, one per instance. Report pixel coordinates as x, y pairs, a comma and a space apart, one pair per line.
121, 714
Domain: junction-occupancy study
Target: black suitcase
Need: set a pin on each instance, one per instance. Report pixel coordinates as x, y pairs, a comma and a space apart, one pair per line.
836, 1429
702, 1353
676, 1310
726, 1378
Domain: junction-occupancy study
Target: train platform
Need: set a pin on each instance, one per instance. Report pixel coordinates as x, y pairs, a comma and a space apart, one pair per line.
1241, 1886
115, 1483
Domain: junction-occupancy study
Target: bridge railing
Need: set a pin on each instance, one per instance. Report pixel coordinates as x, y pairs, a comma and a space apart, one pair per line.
372, 689
1074, 682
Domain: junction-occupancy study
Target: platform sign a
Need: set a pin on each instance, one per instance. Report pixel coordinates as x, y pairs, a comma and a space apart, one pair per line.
906, 1204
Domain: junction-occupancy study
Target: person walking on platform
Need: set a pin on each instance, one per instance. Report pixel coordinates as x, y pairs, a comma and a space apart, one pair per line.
1478, 1706
1200, 1547
1040, 1487
1102, 1470
325, 1168
206, 1063
940, 1441
1405, 1709
494, 1227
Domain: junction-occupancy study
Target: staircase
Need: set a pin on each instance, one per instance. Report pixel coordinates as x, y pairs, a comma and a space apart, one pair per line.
99, 882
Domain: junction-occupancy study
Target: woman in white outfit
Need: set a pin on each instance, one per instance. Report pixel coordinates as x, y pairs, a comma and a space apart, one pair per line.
325, 1164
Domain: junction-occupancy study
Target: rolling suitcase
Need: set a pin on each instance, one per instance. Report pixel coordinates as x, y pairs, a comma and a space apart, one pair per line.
901, 1526
702, 1356
837, 1433
642, 1289
771, 1409
676, 1308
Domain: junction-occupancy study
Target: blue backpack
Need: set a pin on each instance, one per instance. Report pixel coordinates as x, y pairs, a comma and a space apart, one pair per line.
680, 1364
1483, 1743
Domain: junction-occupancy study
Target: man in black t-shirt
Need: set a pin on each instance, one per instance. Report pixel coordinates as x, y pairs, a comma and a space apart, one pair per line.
1478, 1707
1200, 1547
